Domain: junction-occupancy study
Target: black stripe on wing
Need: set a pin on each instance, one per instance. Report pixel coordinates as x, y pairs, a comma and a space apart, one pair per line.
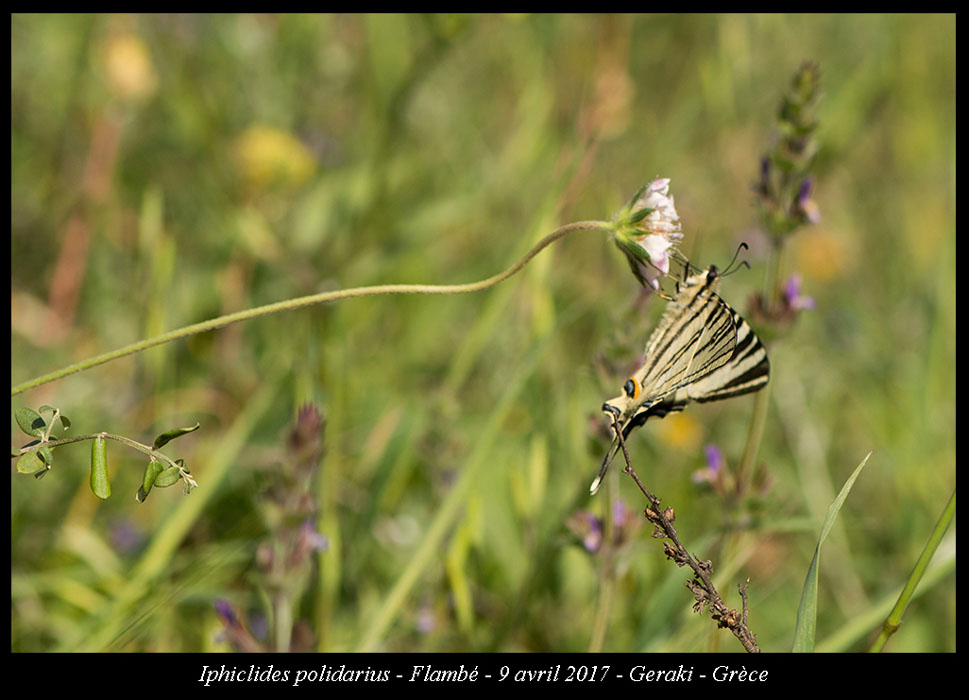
747, 371
699, 339
671, 404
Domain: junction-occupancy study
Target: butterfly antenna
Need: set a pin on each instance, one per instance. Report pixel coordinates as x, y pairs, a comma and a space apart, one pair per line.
743, 263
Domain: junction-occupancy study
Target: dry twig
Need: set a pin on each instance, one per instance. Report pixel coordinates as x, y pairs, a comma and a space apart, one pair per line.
701, 585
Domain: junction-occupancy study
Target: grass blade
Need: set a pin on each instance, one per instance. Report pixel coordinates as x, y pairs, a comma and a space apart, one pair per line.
895, 618
807, 610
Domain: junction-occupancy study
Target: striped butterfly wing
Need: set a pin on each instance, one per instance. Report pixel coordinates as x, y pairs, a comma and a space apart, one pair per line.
702, 350
695, 337
747, 371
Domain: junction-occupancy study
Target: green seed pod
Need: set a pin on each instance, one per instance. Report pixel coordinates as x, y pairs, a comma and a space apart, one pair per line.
151, 471
99, 469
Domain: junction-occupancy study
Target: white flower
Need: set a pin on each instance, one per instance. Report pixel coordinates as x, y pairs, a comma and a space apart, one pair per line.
649, 239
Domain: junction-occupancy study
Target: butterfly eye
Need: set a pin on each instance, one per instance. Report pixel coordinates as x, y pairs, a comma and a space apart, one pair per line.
631, 387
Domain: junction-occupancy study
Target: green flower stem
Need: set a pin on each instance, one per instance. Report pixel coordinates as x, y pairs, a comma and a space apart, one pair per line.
320, 298
758, 419
282, 609
755, 433
773, 271
895, 617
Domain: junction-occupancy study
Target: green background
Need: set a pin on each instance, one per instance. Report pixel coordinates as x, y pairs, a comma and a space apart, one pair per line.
168, 169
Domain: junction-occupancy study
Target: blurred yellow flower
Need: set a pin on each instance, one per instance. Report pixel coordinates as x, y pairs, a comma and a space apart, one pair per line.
821, 256
128, 67
266, 155
681, 432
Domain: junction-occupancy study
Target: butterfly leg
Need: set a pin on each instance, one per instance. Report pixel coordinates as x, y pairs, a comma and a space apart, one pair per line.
622, 445
629, 467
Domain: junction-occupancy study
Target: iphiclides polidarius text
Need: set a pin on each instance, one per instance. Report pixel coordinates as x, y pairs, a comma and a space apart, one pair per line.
702, 350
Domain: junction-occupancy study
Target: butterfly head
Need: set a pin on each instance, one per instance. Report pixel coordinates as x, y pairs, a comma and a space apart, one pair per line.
628, 404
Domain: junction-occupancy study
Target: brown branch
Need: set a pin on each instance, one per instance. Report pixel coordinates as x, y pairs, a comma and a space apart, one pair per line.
704, 592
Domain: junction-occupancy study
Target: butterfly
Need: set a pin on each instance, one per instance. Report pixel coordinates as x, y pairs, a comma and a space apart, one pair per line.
702, 350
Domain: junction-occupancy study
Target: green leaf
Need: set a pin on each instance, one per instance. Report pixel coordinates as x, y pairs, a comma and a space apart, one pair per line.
99, 469
639, 215
165, 438
639, 193
31, 463
168, 477
807, 611
151, 472
30, 421
46, 456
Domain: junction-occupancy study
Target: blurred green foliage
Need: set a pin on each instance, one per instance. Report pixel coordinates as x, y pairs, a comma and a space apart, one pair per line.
166, 169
